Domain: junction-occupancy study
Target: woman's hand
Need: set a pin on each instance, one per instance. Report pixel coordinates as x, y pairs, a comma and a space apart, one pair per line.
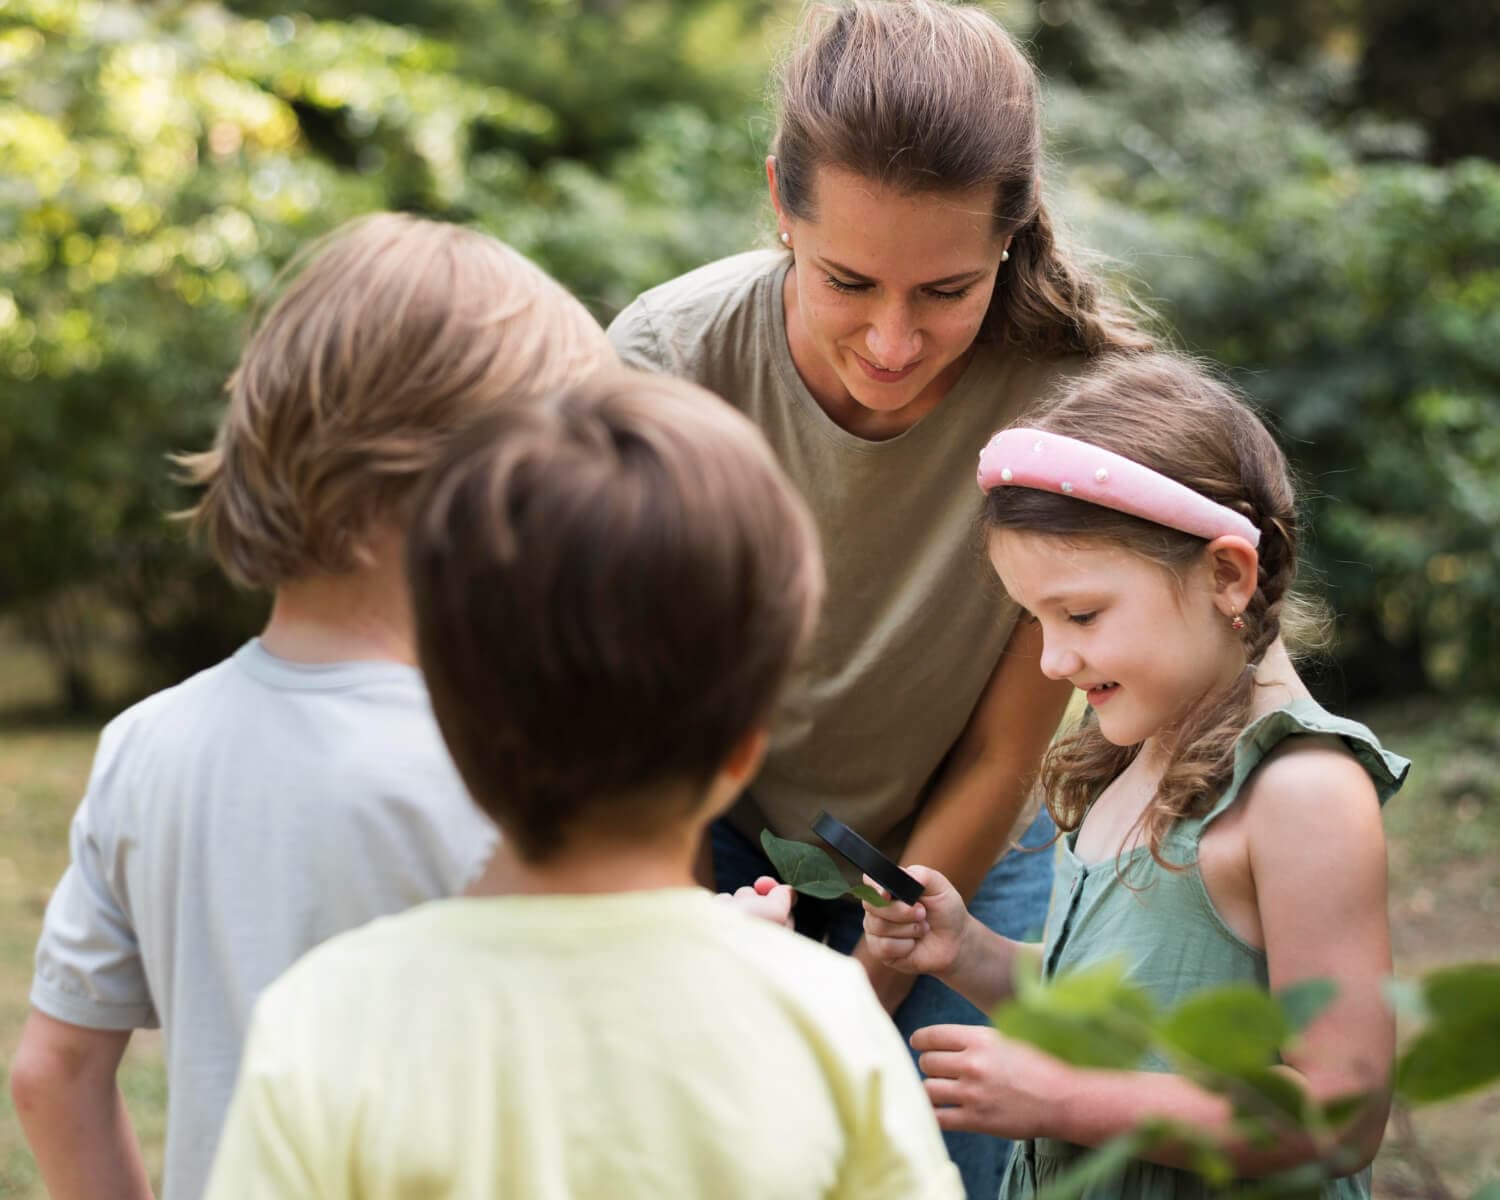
983, 1082
925, 938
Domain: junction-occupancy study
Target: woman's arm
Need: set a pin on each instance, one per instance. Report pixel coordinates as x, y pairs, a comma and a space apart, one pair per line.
1317, 856
984, 784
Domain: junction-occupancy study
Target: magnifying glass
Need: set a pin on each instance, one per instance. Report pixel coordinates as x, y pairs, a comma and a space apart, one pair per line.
868, 859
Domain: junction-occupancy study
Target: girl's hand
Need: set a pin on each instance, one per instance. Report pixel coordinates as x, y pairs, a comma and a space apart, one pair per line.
766, 899
924, 938
983, 1082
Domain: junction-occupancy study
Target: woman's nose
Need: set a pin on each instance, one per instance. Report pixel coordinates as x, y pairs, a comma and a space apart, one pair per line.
892, 339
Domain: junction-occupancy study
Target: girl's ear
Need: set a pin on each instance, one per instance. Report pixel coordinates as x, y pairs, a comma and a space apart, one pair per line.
1236, 567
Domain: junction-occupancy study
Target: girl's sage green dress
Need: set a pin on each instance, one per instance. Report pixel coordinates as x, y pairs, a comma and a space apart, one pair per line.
1163, 923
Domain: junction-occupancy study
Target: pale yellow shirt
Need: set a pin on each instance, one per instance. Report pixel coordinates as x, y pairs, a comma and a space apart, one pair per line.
653, 1044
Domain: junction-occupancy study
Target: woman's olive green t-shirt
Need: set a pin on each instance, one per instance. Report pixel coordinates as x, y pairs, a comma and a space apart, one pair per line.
914, 619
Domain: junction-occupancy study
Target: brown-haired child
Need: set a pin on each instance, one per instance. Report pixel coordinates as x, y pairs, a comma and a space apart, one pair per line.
610, 588
299, 788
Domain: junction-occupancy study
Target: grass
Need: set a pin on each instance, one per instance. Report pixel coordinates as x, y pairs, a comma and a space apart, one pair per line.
1445, 907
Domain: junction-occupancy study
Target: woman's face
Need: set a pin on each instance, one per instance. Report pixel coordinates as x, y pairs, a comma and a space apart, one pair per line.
886, 296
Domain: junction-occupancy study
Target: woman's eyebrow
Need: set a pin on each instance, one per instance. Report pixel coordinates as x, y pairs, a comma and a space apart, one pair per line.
945, 281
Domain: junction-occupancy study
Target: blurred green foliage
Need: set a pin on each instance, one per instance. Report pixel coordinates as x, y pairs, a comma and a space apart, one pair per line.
158, 163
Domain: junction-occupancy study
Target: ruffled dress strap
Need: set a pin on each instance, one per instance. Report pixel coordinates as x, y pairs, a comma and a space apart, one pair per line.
1387, 771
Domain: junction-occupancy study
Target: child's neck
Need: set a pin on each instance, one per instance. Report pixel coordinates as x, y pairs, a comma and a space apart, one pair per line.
358, 616
591, 869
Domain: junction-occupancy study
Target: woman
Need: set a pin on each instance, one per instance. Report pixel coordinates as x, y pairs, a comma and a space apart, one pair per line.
918, 304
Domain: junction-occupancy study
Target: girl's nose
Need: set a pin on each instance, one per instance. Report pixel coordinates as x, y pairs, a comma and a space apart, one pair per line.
1059, 662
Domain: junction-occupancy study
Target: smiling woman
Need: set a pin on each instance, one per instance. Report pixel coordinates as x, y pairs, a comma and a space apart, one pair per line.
918, 301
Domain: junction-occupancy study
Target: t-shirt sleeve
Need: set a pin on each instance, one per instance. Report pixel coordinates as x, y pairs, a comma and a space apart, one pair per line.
269, 1149
896, 1150
638, 343
88, 963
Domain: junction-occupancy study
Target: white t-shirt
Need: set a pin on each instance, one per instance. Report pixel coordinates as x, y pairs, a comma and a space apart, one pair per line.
232, 823
631, 1046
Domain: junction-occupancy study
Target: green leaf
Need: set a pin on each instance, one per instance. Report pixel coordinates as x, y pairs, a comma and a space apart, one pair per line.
1406, 998
808, 869
868, 894
1458, 1051
1234, 1030
1274, 1091
1302, 1003
1091, 1018
1447, 1060
1103, 1165
1464, 994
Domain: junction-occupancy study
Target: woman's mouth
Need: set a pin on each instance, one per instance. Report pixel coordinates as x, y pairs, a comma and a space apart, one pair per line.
882, 374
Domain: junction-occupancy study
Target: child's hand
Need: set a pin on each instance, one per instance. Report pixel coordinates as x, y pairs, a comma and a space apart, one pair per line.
922, 938
984, 1082
766, 899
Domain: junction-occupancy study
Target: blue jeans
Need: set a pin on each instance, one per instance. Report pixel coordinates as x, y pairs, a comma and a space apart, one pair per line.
1012, 900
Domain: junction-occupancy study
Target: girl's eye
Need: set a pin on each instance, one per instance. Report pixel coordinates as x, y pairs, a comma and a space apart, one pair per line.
955, 295
1082, 618
842, 285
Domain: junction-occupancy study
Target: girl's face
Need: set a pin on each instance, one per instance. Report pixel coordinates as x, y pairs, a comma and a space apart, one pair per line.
1143, 643
886, 296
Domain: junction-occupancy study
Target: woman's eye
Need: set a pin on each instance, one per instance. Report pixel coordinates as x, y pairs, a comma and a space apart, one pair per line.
937, 294
1082, 618
843, 285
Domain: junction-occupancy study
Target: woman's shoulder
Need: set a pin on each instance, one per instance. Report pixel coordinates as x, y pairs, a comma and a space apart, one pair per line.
711, 309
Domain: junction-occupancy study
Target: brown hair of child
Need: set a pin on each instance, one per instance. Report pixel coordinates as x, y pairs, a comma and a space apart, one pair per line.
392, 333
610, 588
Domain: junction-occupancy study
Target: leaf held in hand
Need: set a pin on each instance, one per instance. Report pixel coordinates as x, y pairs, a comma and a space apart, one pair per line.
808, 869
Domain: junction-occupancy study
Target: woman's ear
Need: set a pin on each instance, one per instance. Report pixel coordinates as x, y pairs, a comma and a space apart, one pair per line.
775, 192
1236, 567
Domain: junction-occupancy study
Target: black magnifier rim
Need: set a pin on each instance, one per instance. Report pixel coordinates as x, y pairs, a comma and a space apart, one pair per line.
868, 859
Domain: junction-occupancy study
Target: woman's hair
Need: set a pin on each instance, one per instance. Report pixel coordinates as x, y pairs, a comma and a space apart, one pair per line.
1167, 413
392, 334
923, 96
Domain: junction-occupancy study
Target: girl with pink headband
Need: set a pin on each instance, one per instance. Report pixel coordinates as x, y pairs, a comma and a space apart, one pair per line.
1219, 825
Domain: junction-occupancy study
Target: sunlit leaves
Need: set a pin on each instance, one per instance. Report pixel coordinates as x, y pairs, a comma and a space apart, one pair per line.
1459, 1048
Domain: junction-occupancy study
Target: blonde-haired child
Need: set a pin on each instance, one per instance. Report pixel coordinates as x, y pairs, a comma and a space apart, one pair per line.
299, 788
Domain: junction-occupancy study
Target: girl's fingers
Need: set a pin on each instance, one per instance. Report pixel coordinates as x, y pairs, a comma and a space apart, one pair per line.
888, 950
941, 1064
945, 1037
943, 1093
877, 926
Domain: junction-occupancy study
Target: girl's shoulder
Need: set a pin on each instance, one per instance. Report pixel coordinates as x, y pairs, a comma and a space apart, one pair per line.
1301, 753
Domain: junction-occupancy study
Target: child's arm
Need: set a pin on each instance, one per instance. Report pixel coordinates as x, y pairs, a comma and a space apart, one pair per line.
63, 1083
1317, 856
937, 936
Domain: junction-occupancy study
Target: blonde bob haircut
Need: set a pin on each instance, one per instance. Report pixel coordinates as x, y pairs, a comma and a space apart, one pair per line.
393, 333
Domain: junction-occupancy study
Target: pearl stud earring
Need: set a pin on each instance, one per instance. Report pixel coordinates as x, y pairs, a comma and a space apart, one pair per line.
786, 239
1005, 256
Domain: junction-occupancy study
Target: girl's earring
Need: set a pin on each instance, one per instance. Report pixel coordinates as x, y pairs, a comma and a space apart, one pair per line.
786, 239
1005, 256
1237, 622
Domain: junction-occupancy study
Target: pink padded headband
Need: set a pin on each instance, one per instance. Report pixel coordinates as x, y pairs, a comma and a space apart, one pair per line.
1052, 463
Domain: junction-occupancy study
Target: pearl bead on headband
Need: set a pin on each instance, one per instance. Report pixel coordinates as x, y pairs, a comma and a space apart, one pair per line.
1051, 462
